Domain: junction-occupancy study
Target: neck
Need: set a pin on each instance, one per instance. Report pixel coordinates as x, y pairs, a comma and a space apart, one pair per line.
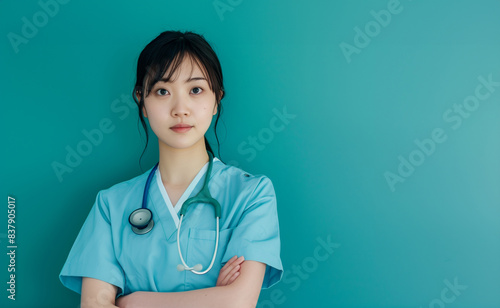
180, 166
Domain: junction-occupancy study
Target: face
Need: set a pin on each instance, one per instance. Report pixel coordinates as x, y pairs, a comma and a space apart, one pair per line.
185, 100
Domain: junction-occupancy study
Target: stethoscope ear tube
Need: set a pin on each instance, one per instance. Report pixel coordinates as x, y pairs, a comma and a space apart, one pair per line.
204, 195
142, 222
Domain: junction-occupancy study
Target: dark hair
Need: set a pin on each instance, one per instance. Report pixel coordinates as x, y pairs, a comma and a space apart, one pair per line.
169, 49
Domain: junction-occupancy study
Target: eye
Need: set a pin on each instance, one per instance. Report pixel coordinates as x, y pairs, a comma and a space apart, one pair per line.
199, 90
161, 92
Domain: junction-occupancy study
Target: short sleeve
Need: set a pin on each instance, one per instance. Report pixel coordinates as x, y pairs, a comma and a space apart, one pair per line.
257, 237
92, 254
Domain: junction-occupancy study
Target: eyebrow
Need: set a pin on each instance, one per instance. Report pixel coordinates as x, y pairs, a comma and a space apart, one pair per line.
188, 80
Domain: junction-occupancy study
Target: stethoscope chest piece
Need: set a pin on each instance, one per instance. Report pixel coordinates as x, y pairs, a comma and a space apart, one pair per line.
141, 221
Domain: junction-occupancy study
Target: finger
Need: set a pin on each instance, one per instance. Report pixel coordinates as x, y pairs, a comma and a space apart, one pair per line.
237, 261
232, 266
234, 270
233, 278
240, 260
228, 266
230, 262
234, 258
225, 270
230, 270
228, 276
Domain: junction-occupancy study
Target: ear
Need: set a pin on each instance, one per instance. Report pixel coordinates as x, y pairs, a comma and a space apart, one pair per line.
215, 108
217, 103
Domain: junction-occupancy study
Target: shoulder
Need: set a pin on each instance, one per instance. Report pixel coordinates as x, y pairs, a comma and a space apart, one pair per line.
124, 190
240, 180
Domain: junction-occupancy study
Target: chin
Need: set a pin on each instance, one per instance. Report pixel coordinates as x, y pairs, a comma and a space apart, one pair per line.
178, 142
180, 145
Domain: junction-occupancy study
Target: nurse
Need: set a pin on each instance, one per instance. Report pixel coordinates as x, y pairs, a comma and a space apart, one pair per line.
179, 89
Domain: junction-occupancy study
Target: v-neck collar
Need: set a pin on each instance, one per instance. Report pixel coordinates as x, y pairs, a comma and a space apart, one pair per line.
175, 210
169, 219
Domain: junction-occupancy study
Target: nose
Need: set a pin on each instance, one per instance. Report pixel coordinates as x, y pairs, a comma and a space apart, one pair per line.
180, 107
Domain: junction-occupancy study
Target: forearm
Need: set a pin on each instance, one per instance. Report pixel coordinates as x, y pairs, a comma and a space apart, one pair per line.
217, 297
97, 294
242, 293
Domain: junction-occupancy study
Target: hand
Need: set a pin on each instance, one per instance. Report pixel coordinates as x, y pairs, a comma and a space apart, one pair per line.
230, 271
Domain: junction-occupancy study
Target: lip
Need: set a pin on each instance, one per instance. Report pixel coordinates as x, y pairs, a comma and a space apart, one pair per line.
181, 128
181, 125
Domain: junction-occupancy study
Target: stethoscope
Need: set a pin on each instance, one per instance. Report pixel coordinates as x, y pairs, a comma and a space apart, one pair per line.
142, 219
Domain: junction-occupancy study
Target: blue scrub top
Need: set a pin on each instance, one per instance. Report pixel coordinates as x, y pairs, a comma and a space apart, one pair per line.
107, 249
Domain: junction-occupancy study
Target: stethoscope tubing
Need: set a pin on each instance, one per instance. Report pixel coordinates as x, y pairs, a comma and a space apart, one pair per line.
213, 257
146, 189
203, 196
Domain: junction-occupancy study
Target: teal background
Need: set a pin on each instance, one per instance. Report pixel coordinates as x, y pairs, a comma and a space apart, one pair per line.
352, 121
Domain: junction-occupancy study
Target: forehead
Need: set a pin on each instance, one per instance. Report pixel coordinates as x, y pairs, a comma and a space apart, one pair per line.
187, 68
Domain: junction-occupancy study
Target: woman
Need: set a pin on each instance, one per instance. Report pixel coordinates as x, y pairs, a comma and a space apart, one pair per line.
179, 89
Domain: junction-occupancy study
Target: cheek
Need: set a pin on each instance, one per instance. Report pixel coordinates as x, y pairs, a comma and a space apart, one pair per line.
156, 120
205, 115
207, 108
153, 123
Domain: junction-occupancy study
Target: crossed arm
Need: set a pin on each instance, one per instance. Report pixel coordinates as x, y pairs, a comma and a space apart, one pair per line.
238, 285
